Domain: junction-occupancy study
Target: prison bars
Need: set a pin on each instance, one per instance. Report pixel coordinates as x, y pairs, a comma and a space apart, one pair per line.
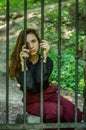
62, 125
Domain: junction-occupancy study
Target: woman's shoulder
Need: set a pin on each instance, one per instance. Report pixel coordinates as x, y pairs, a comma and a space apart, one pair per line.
49, 61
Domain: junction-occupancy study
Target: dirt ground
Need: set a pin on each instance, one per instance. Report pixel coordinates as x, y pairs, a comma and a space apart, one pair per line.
15, 104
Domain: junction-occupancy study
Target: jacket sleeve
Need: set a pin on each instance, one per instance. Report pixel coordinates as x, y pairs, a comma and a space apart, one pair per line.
47, 69
33, 76
30, 84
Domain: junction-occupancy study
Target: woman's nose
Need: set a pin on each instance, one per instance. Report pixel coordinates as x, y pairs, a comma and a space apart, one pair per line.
30, 45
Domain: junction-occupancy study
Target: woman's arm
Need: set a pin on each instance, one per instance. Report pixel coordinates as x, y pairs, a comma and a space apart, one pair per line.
47, 70
47, 64
29, 73
30, 84
33, 76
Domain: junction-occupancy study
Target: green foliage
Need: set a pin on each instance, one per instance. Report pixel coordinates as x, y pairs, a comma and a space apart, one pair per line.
50, 33
53, 55
18, 5
52, 15
2, 6
67, 70
68, 50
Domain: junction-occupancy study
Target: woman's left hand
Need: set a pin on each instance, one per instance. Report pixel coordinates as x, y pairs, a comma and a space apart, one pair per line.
45, 45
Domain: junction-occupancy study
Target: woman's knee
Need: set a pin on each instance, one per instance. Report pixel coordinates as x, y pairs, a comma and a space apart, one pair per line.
51, 112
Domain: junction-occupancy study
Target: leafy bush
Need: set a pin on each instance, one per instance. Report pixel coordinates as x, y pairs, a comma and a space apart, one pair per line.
67, 70
18, 5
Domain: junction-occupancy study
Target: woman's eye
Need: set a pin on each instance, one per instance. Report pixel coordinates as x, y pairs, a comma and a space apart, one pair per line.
33, 41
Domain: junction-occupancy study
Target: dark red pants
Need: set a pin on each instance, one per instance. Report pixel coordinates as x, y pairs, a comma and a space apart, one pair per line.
50, 107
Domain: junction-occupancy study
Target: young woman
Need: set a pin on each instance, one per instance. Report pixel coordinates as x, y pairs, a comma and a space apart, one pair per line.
30, 51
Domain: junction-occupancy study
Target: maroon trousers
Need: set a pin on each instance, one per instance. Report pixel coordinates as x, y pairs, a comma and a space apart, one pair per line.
50, 107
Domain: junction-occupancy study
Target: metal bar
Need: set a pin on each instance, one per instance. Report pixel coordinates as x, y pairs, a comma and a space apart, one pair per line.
42, 37
25, 26
42, 19
77, 57
43, 126
59, 55
7, 61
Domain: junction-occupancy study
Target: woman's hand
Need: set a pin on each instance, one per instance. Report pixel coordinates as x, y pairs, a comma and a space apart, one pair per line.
45, 45
23, 54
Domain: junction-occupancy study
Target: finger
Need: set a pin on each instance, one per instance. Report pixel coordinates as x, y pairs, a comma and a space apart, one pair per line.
22, 55
25, 56
25, 50
44, 41
24, 46
44, 45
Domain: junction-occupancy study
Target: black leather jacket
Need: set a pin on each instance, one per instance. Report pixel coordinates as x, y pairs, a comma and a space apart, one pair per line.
33, 76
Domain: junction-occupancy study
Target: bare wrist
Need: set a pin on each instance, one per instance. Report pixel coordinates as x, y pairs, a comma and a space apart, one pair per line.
45, 59
22, 66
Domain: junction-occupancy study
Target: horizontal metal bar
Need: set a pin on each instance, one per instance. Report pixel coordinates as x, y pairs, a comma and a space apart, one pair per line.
41, 126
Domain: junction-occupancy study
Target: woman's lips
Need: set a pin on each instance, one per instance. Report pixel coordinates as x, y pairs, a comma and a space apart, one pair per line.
32, 51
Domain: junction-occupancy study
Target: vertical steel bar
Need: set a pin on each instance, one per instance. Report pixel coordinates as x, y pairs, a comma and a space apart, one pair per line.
25, 26
59, 56
42, 37
7, 61
77, 57
42, 19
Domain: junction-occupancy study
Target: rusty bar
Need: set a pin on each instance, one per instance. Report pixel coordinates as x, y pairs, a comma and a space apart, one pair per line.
42, 37
42, 19
59, 56
7, 61
76, 57
25, 26
42, 126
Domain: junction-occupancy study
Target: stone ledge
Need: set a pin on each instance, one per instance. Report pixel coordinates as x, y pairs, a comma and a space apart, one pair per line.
29, 119
32, 119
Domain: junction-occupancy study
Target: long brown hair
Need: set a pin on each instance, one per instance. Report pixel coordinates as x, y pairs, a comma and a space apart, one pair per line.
15, 66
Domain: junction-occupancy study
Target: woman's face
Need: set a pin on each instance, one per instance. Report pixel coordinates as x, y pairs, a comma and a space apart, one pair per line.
33, 44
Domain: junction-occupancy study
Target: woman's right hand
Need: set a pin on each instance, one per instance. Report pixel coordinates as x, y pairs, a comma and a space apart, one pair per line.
24, 54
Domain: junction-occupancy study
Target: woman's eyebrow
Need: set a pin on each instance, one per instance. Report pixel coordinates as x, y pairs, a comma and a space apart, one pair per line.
34, 39
31, 40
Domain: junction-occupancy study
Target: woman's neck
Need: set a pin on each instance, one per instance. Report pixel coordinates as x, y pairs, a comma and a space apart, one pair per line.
34, 58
